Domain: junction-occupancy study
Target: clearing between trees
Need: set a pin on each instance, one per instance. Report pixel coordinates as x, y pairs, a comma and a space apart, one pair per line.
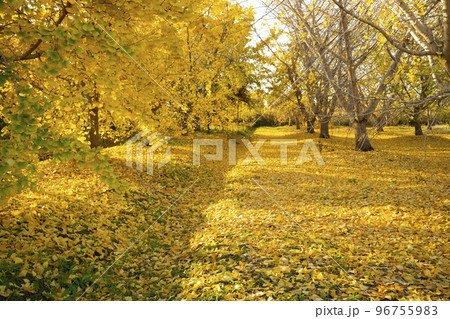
364, 226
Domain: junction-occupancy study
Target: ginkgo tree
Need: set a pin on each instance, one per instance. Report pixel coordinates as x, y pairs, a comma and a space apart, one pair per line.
75, 73
357, 47
425, 26
218, 72
55, 65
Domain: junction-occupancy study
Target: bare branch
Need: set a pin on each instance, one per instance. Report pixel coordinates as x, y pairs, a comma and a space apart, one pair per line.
384, 33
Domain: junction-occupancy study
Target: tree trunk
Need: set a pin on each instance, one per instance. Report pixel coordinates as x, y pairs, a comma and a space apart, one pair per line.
380, 126
381, 122
417, 109
417, 128
94, 134
361, 137
415, 121
196, 126
446, 22
310, 125
324, 132
297, 123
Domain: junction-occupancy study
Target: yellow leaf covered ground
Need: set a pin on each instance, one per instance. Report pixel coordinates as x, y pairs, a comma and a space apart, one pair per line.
363, 226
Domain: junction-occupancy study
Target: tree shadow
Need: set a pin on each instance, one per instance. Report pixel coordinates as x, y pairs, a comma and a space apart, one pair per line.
360, 216
242, 232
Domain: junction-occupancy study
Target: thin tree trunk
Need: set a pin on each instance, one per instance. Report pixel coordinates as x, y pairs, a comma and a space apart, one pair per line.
361, 136
94, 134
417, 128
297, 119
351, 70
418, 108
381, 122
429, 120
310, 125
446, 22
324, 131
415, 121
362, 142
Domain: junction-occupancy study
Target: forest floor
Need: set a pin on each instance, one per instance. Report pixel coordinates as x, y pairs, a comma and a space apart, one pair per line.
364, 226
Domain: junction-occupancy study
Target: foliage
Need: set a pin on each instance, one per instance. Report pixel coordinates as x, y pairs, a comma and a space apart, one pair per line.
79, 78
84, 73
226, 239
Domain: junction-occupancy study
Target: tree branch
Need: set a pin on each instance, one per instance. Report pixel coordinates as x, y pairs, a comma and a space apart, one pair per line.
28, 55
384, 33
